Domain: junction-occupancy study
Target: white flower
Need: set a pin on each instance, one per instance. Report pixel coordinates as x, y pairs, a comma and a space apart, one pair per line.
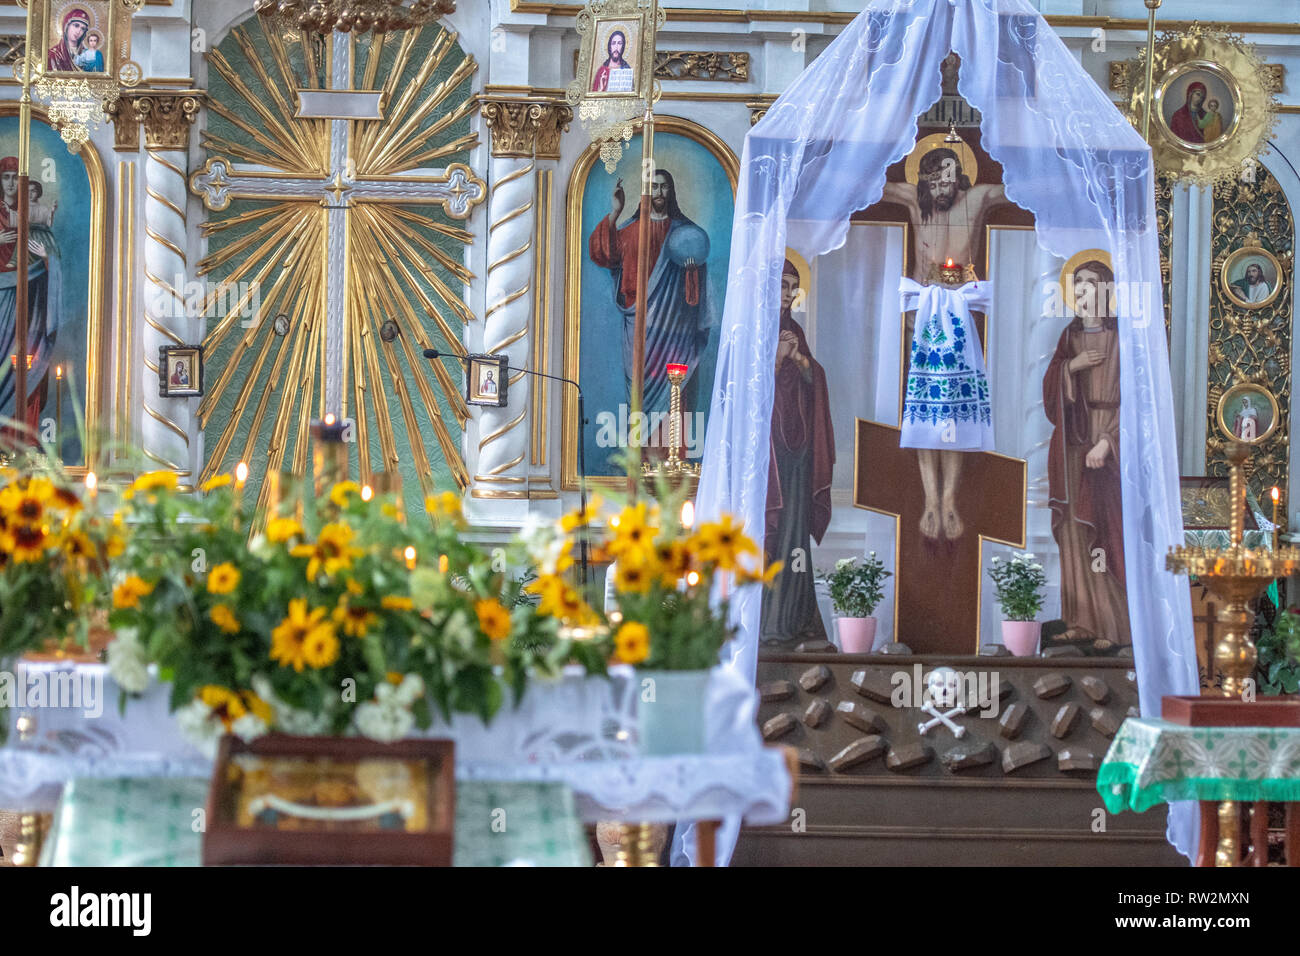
385, 722
410, 690
249, 727
288, 719
996, 559
843, 563
198, 725
127, 662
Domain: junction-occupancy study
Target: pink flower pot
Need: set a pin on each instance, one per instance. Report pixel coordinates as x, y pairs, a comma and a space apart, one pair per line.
1021, 637
857, 634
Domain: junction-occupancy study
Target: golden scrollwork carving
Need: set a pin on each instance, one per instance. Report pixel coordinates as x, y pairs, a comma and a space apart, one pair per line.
166, 115
701, 65
525, 127
758, 108
1251, 343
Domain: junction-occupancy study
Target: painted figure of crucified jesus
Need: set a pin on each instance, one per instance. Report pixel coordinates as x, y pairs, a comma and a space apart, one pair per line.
946, 211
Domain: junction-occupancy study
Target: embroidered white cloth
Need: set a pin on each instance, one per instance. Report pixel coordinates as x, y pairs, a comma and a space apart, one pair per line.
946, 405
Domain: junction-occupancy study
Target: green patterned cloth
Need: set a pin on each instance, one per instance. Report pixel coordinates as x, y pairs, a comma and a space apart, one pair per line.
1154, 761
144, 821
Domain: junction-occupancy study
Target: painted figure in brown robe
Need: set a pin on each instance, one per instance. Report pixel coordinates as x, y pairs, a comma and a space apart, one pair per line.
1081, 398
798, 480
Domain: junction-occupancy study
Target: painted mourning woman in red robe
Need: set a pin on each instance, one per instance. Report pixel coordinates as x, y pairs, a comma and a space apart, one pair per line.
798, 480
1081, 398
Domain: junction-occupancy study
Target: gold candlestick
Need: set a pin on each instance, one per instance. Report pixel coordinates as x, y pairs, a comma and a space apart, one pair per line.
674, 468
1236, 574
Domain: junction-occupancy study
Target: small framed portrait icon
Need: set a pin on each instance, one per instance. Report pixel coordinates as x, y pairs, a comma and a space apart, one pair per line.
180, 371
1199, 105
487, 380
616, 56
1248, 413
1251, 277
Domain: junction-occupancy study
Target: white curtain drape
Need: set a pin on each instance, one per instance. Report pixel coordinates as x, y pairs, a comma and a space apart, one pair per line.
1068, 156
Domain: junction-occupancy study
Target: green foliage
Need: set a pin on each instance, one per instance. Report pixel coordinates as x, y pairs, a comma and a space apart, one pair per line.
1278, 664
857, 585
1019, 584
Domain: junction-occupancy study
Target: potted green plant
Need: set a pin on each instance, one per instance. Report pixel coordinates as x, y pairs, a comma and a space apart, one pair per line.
857, 587
1019, 583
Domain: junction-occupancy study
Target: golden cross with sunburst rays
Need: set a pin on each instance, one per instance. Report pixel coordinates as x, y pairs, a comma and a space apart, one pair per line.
335, 231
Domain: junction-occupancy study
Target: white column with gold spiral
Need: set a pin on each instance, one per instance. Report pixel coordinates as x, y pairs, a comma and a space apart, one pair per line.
522, 129
166, 425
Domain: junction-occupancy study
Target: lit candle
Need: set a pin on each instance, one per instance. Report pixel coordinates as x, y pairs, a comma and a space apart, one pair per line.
688, 515
409, 555
92, 488
241, 476
367, 492
58, 409
1276, 494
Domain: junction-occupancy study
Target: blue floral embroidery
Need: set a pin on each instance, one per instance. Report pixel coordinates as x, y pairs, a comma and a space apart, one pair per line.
942, 387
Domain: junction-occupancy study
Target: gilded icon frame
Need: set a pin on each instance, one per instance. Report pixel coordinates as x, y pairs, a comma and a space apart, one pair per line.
1236, 392
1243, 252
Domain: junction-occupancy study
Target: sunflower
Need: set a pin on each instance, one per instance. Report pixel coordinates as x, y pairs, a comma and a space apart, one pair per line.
396, 602
280, 530
216, 481
764, 576
354, 621
223, 579
332, 551
225, 704
27, 542
582, 517
633, 533
339, 493
550, 588
493, 618
673, 561
222, 616
635, 578
290, 638
632, 643
129, 592
722, 542
151, 481
321, 648
77, 544
27, 504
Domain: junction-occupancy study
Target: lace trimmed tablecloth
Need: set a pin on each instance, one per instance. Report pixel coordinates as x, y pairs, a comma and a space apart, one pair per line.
1154, 761
577, 730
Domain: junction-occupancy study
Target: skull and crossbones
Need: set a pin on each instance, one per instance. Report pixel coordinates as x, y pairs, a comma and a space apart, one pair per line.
942, 688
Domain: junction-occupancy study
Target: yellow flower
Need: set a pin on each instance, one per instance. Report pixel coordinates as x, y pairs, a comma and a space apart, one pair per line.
321, 648
216, 481
280, 530
67, 498
354, 587
721, 543
632, 643
26, 542
493, 618
673, 561
331, 553
581, 518
355, 621
764, 576
27, 504
633, 533
444, 504
256, 706
633, 577
77, 545
291, 636
223, 579
222, 616
115, 546
129, 592
224, 703
150, 481
395, 602
550, 588
339, 493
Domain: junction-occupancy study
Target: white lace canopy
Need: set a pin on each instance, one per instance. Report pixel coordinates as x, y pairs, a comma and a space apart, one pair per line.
1068, 156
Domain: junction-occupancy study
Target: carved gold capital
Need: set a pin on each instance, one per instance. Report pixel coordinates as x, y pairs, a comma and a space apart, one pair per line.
525, 127
758, 108
166, 115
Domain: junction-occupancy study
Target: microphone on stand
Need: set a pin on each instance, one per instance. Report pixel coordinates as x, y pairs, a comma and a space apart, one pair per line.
582, 444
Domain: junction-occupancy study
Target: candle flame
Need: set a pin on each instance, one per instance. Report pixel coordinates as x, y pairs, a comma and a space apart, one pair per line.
58, 372
92, 483
1274, 493
329, 418
409, 554
948, 264
367, 492
688, 514
693, 578
241, 474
